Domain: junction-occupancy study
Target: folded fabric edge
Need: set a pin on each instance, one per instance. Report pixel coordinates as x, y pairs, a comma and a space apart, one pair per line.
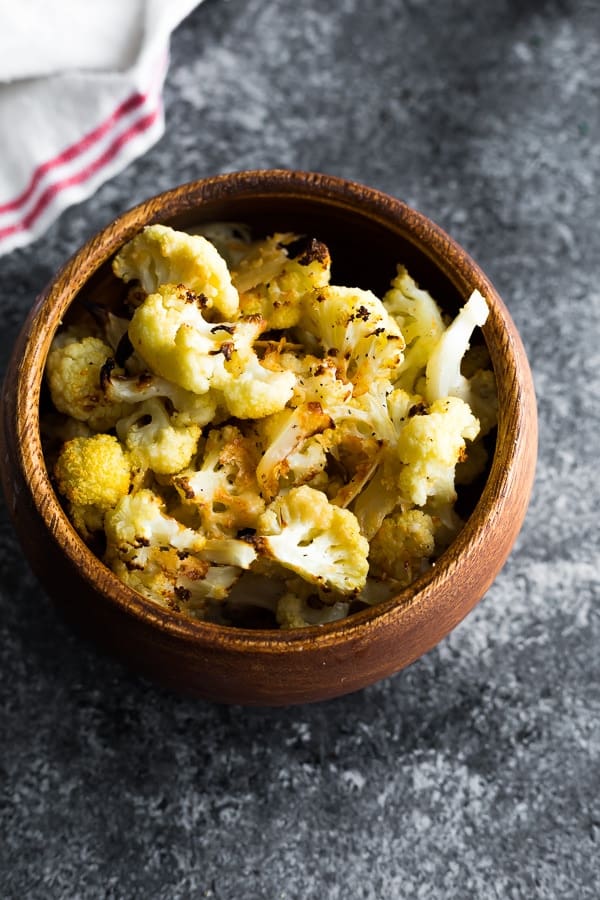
79, 170
80, 185
108, 146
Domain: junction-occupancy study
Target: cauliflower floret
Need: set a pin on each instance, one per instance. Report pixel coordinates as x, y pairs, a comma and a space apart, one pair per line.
429, 446
358, 458
420, 450
160, 255
446, 520
322, 543
363, 430
92, 474
154, 442
88, 521
256, 392
374, 503
403, 546
420, 321
188, 408
476, 367
286, 434
229, 552
273, 277
140, 520
307, 464
356, 331
161, 558
317, 379
174, 339
303, 604
443, 376
188, 585
170, 333
73, 376
93, 471
368, 415
224, 490
483, 399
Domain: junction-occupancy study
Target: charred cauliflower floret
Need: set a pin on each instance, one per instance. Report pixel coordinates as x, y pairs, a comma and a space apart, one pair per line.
304, 532
356, 331
160, 255
140, 521
73, 376
177, 342
402, 546
285, 437
276, 273
317, 379
421, 448
157, 556
187, 408
154, 442
223, 490
294, 610
174, 339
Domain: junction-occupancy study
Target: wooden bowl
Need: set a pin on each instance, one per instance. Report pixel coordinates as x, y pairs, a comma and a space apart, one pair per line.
368, 233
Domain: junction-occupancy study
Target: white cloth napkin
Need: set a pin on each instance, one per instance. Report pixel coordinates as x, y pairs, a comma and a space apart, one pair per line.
80, 98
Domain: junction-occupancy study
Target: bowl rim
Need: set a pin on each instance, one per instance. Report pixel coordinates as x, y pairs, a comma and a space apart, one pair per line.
433, 241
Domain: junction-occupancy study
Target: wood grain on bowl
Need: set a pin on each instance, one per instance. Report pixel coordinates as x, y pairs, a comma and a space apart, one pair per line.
368, 233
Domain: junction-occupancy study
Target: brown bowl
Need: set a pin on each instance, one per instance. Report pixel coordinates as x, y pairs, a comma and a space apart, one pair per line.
368, 233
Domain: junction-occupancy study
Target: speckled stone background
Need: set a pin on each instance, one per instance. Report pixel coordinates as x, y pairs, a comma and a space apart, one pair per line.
476, 772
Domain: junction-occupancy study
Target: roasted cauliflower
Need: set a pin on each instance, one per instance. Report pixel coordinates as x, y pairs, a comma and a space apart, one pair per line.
73, 371
306, 533
240, 437
170, 333
92, 473
274, 276
161, 255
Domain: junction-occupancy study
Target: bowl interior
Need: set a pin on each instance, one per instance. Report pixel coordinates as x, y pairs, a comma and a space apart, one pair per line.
368, 235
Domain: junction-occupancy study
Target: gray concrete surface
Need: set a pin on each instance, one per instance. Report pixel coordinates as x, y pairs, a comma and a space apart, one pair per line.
475, 773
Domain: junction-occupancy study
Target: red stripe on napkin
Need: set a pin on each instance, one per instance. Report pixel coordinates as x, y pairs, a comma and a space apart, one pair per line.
74, 150
91, 168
